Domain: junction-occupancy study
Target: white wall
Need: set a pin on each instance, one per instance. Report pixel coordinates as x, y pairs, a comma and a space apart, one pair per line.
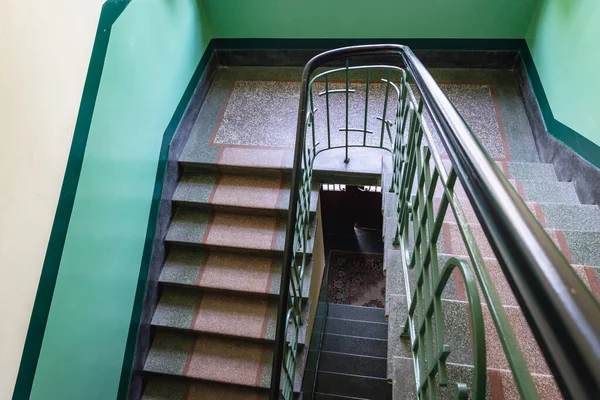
45, 48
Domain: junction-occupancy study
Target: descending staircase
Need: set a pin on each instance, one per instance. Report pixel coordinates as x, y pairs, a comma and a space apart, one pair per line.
574, 227
353, 355
214, 325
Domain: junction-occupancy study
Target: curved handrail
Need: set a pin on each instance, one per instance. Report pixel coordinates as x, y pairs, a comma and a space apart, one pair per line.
561, 312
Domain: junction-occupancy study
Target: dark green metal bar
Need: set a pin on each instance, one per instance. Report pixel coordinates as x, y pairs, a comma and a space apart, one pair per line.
327, 110
385, 103
312, 119
366, 107
347, 159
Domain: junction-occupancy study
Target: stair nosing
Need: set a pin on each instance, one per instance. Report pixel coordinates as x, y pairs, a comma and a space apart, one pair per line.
352, 355
351, 375
213, 289
357, 320
197, 333
352, 336
193, 379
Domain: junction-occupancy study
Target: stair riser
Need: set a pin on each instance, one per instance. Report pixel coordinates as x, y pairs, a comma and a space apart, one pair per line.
280, 212
353, 386
367, 314
234, 169
355, 328
237, 250
354, 345
353, 365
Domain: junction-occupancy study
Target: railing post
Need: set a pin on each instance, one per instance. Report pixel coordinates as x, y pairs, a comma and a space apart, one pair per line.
347, 160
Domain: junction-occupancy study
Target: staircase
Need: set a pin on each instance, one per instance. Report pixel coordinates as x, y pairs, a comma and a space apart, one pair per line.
575, 229
214, 325
353, 355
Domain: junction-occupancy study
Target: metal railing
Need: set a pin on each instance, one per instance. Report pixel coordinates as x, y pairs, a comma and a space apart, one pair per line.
560, 310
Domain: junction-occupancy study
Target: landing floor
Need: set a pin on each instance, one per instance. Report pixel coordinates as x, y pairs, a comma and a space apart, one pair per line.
249, 117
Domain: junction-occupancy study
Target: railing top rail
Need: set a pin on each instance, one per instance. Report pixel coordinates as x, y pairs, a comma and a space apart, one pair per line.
560, 310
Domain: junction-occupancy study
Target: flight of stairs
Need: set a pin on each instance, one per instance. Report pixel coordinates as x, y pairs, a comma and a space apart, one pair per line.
573, 226
214, 325
353, 355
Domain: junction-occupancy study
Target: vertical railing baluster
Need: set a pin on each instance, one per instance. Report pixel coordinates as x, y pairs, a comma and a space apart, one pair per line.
327, 109
347, 89
312, 117
383, 121
366, 108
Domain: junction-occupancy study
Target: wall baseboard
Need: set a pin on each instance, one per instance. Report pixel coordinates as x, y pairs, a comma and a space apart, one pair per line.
570, 165
161, 214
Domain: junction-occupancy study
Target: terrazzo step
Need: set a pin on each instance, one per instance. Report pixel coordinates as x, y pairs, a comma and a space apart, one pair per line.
354, 345
221, 271
356, 313
262, 195
531, 171
374, 330
457, 335
583, 217
225, 314
217, 313
579, 247
500, 382
353, 386
353, 364
239, 160
530, 191
211, 358
251, 234
166, 388
576, 217
540, 191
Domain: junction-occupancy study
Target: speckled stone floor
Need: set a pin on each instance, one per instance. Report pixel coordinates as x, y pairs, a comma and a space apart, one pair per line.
249, 117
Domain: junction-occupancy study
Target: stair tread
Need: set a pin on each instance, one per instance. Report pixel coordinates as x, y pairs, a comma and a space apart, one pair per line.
194, 155
531, 171
551, 214
367, 329
165, 388
217, 313
194, 226
563, 192
239, 191
579, 247
353, 364
358, 313
353, 386
225, 271
225, 360
404, 379
354, 345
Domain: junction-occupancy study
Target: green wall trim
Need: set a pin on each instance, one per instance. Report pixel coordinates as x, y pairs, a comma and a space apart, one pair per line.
420, 44
581, 145
43, 298
153, 220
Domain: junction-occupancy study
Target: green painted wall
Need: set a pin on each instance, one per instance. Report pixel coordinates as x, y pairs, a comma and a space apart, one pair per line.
369, 19
564, 42
154, 49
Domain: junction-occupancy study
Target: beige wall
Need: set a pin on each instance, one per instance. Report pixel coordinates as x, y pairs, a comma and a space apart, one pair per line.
45, 48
